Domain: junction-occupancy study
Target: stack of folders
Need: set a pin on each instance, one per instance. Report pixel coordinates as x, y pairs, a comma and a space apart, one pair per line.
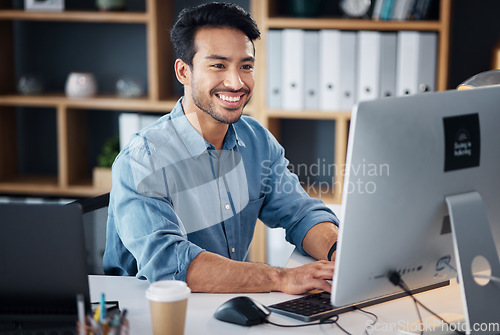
332, 70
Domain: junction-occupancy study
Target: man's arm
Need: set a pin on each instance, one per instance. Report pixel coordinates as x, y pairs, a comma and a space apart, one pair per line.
213, 273
319, 239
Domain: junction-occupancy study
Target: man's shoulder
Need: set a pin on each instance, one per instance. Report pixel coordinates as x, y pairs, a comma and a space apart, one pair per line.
159, 133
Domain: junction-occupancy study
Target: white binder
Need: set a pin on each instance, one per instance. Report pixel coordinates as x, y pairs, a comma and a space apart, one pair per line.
427, 62
274, 60
311, 69
330, 69
128, 124
388, 60
293, 69
416, 64
369, 65
347, 69
131, 123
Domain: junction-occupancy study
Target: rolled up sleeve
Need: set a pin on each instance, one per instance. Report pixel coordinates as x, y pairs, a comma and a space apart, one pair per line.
287, 204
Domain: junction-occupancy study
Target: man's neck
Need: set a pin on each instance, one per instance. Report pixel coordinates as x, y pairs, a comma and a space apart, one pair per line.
212, 130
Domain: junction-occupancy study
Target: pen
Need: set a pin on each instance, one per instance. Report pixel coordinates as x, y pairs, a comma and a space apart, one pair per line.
80, 305
103, 307
93, 324
123, 315
97, 313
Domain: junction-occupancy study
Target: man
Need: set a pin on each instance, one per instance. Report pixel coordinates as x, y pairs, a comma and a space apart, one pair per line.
187, 190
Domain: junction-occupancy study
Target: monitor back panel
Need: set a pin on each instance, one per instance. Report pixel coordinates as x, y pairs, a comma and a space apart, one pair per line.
42, 261
397, 177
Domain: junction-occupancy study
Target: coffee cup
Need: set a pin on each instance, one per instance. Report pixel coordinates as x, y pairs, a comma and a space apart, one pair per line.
168, 304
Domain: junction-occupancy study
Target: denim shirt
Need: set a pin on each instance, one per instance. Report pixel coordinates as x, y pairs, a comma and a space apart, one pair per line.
174, 195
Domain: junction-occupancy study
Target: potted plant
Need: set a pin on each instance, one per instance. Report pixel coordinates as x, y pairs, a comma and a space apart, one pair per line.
102, 172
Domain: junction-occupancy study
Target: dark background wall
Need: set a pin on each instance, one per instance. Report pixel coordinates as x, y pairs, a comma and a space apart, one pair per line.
475, 30
53, 49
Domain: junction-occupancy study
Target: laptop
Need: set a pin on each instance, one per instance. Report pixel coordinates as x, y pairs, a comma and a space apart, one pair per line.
42, 266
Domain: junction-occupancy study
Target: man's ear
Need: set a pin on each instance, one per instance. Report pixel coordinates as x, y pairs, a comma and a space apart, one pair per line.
182, 72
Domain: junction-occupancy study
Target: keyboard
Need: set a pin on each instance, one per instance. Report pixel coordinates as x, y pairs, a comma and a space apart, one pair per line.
310, 307
318, 306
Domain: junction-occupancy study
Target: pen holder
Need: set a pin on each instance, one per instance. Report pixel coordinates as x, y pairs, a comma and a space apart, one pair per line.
107, 328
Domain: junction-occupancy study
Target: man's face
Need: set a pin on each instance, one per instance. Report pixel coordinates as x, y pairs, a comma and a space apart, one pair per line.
222, 73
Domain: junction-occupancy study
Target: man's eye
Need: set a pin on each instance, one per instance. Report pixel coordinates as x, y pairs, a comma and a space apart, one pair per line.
218, 66
247, 67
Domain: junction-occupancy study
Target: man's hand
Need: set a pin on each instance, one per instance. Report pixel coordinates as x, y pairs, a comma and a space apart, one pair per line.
307, 277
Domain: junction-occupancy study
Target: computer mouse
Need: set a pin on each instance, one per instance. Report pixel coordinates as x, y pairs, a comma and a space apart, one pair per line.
243, 311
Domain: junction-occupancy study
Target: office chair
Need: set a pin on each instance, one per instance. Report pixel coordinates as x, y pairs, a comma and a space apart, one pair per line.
95, 214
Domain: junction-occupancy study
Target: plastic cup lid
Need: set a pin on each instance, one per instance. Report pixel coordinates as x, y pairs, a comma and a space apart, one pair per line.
168, 291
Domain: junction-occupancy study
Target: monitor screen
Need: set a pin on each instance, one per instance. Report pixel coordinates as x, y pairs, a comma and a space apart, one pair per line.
405, 156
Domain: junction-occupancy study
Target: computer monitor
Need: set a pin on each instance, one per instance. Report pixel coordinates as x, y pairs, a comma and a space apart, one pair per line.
405, 156
43, 264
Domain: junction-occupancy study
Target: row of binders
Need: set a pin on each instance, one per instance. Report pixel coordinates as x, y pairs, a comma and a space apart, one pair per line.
332, 70
402, 9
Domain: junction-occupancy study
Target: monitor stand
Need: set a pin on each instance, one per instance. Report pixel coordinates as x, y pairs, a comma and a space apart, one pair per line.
472, 237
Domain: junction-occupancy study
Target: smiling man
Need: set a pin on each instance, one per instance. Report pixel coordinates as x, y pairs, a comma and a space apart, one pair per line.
187, 190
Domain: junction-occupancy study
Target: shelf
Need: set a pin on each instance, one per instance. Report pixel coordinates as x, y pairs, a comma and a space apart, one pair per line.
75, 16
346, 24
308, 115
46, 185
98, 102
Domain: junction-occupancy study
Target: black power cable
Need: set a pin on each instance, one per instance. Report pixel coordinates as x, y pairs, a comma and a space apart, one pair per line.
395, 278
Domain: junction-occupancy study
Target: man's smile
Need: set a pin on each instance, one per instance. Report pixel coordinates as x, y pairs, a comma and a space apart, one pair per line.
230, 99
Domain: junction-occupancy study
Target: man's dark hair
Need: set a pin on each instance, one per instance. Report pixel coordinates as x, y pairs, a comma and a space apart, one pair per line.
215, 15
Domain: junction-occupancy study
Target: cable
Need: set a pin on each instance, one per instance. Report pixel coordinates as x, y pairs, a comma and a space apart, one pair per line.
375, 317
341, 328
396, 279
332, 320
320, 322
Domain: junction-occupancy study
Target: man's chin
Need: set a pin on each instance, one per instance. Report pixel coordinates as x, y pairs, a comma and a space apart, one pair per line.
232, 119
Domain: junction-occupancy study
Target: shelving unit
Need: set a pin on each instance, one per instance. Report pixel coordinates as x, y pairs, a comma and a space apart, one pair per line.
268, 16
72, 178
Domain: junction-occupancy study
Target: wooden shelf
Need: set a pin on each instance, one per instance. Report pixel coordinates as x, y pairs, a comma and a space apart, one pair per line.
75, 16
97, 102
308, 114
47, 185
347, 24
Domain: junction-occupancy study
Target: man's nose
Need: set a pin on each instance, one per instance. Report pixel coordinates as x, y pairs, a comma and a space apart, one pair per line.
233, 80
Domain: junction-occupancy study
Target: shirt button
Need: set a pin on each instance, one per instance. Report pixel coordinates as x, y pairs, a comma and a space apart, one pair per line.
227, 206
233, 250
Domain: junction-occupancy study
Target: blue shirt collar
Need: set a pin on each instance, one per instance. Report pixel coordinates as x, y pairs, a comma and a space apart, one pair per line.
194, 142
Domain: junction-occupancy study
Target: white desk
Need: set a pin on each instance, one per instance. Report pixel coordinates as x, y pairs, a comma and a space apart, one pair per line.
129, 291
